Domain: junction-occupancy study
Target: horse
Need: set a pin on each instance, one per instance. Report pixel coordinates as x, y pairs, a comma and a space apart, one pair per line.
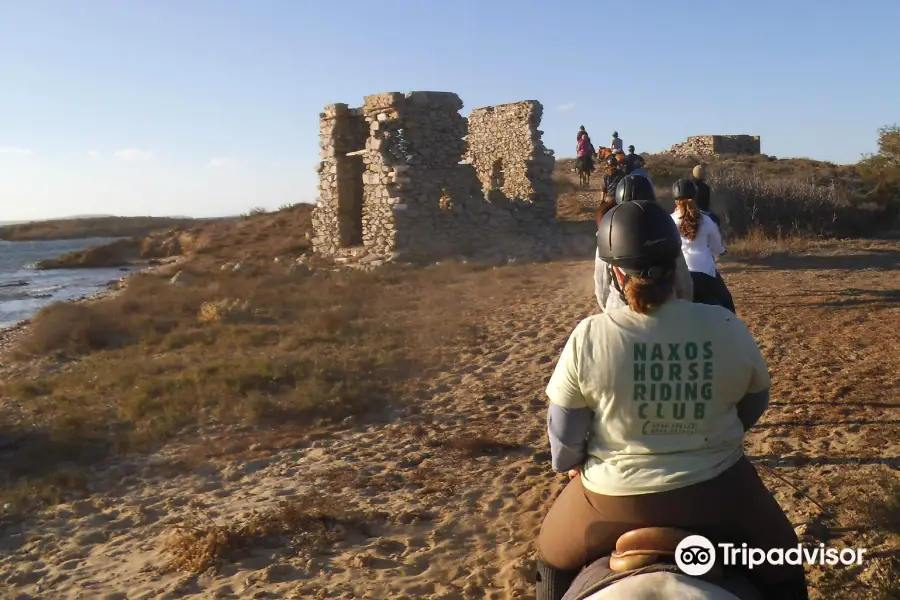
639, 569
582, 165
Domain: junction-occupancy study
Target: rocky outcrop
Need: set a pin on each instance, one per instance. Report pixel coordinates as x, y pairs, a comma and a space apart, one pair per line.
120, 253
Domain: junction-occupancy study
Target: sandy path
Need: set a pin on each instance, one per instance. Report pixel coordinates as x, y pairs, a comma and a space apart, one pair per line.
447, 524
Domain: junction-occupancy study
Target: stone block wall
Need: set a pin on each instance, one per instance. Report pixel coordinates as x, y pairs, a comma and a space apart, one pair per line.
509, 157
710, 145
393, 182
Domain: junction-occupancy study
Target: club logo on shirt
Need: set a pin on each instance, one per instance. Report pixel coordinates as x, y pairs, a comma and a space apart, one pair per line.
672, 384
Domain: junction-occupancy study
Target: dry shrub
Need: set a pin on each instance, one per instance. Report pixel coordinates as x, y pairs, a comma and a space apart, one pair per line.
312, 522
224, 311
73, 329
23, 495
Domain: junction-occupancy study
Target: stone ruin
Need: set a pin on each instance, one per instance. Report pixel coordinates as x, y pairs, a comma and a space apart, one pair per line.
710, 145
406, 177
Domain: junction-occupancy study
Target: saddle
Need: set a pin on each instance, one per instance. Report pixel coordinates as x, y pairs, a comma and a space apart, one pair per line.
640, 548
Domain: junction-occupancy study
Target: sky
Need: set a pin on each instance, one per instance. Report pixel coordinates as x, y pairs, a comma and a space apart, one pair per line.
211, 107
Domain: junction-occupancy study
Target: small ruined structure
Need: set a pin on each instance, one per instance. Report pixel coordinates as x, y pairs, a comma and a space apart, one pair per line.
710, 145
407, 177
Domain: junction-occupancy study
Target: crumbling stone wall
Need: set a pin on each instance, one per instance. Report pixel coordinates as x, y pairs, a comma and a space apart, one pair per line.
509, 157
393, 183
709, 145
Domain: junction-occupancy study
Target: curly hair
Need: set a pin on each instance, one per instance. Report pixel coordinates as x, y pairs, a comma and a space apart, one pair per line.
646, 295
691, 218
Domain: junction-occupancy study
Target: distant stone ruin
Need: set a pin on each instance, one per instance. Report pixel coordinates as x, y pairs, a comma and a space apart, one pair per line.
710, 145
406, 177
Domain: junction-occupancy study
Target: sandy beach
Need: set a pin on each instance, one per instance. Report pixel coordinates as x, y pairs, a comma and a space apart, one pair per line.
444, 499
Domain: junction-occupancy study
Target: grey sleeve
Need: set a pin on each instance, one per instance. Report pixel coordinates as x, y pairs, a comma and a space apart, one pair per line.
601, 282
568, 430
751, 407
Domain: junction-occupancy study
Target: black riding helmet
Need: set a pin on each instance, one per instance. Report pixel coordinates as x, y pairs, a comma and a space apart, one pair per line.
684, 189
634, 187
612, 161
640, 238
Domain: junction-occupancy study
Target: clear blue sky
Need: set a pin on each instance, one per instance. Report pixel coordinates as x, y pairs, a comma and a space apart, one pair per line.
210, 107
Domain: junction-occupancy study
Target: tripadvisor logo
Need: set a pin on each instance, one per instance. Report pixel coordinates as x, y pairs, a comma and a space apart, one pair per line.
696, 555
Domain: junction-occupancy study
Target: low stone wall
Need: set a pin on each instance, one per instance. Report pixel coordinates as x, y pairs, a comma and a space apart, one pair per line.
710, 145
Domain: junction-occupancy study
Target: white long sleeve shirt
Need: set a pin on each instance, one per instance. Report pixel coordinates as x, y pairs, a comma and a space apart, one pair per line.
701, 252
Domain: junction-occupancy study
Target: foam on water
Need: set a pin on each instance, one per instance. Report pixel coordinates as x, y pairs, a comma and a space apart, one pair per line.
25, 290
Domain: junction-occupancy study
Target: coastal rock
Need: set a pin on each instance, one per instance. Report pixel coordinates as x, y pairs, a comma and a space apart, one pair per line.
117, 254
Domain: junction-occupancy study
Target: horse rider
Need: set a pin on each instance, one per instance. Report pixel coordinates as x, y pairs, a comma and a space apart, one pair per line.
586, 153
633, 462
639, 169
606, 287
698, 176
613, 175
701, 243
629, 160
616, 144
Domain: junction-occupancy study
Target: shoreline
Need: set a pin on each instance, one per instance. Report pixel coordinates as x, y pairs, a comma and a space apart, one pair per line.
11, 334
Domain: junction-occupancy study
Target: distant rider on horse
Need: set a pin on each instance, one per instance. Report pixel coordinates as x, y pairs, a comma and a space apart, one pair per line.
585, 155
613, 175
616, 144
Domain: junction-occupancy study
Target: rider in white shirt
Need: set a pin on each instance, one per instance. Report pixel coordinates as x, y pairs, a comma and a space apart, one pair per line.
701, 244
616, 143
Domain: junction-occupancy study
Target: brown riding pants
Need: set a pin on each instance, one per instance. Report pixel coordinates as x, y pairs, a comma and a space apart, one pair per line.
734, 507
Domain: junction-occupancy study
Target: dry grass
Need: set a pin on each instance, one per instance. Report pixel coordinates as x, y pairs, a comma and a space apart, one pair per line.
258, 346
311, 522
759, 245
777, 207
767, 205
